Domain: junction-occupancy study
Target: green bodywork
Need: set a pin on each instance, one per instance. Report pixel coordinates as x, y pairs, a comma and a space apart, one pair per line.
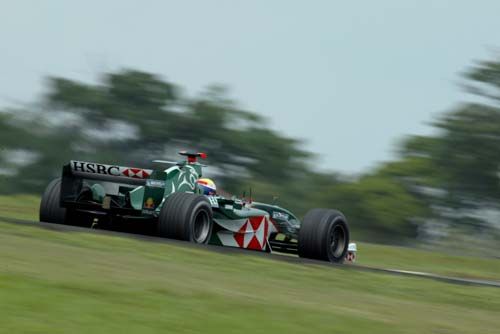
179, 178
236, 221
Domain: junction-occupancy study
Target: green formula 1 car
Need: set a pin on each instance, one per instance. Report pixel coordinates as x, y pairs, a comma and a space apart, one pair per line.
170, 203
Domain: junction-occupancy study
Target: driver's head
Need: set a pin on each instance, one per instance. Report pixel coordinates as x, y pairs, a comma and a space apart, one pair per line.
207, 186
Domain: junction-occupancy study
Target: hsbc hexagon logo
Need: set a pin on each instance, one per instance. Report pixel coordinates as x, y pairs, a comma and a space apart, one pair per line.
136, 173
249, 233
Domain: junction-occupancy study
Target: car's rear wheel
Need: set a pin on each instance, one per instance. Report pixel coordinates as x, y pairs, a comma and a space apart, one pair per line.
186, 216
324, 235
50, 207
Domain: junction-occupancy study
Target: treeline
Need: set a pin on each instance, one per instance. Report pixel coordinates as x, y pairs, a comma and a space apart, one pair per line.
441, 189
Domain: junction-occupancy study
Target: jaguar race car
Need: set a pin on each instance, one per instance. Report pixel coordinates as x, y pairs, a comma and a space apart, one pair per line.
169, 202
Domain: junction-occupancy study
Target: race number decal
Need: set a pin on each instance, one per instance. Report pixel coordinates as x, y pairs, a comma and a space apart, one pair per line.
213, 201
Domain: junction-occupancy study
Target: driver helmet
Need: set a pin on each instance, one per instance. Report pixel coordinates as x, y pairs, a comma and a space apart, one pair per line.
207, 186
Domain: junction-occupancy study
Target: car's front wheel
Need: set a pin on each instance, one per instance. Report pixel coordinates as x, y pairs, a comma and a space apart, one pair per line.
324, 235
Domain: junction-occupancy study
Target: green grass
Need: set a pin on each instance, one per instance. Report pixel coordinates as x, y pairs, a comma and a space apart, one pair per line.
20, 207
402, 258
56, 282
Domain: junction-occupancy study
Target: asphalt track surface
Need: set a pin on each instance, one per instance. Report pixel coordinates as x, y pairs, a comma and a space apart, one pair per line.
274, 256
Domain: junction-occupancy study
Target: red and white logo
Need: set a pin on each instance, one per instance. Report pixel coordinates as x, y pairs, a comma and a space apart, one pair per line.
95, 168
253, 234
136, 173
250, 233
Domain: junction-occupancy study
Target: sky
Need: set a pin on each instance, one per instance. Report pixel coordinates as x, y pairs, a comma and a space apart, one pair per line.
350, 78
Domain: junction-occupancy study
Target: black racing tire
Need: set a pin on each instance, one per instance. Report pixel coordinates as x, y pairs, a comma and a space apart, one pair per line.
186, 216
50, 206
324, 235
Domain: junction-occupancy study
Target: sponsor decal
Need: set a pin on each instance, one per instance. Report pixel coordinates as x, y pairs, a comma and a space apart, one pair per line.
280, 215
136, 173
213, 201
155, 183
251, 233
149, 204
112, 170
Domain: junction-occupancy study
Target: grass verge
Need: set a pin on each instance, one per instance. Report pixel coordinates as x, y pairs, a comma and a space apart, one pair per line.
70, 282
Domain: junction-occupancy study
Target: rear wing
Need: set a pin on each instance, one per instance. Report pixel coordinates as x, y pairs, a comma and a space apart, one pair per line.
110, 173
76, 171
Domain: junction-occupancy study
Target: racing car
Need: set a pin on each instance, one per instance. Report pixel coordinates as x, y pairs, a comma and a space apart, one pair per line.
178, 203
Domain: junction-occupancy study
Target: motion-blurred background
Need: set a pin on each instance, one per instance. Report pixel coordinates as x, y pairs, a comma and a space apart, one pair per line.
389, 111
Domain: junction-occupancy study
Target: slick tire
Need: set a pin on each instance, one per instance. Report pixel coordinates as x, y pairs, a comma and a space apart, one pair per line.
186, 216
50, 208
324, 235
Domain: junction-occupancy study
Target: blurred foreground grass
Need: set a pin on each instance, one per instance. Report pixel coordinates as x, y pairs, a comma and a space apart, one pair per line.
72, 282
20, 207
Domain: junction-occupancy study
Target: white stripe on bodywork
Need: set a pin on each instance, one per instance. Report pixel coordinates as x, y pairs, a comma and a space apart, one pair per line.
227, 238
259, 234
249, 234
232, 225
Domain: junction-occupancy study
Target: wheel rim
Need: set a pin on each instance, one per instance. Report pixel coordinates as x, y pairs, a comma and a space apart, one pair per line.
337, 241
201, 227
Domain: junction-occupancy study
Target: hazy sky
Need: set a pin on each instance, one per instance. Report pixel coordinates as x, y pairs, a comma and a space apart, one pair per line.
349, 77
